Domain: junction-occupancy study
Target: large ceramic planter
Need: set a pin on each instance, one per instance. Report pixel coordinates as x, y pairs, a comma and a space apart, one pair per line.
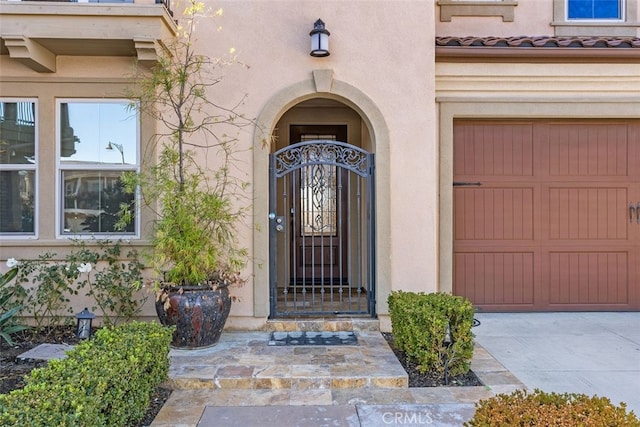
198, 313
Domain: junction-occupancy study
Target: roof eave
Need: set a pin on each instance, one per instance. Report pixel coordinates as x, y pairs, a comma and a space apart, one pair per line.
533, 54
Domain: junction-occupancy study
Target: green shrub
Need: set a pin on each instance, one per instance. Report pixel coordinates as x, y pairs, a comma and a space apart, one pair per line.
550, 409
419, 323
105, 381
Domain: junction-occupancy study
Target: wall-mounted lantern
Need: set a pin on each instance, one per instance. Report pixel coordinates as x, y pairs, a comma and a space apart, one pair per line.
447, 342
83, 329
319, 39
447, 336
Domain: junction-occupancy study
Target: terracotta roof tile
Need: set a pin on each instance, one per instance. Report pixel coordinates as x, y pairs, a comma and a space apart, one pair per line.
540, 41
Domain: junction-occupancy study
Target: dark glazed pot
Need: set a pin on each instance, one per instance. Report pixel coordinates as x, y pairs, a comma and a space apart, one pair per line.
198, 313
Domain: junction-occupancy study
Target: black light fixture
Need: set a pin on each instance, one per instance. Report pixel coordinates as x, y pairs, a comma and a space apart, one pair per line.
447, 342
447, 336
319, 39
83, 329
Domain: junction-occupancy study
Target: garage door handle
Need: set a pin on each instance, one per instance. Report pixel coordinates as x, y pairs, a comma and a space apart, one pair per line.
633, 212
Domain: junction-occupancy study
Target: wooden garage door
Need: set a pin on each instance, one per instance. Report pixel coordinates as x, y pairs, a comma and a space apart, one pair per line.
554, 223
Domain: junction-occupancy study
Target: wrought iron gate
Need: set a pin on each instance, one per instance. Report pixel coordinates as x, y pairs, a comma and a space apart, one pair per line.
322, 230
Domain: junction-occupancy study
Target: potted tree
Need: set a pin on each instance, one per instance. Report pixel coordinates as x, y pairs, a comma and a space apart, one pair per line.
197, 199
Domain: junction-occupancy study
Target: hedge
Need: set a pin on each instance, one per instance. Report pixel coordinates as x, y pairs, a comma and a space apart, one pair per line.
419, 323
105, 381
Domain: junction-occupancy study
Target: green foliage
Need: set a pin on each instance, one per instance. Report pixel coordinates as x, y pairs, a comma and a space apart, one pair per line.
419, 324
113, 282
197, 199
195, 233
45, 285
106, 381
47, 299
550, 409
8, 309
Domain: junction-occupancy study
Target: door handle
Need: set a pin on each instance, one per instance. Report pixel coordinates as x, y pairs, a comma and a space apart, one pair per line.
632, 212
638, 213
279, 221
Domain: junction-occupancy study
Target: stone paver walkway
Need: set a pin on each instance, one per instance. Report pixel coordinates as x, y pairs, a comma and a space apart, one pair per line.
243, 374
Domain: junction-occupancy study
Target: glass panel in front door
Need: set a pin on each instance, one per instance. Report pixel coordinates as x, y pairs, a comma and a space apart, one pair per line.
318, 195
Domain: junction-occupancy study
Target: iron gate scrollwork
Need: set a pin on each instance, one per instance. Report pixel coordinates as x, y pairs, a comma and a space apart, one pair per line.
322, 230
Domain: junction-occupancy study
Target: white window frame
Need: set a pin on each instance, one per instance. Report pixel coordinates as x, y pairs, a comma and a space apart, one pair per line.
623, 14
62, 167
628, 26
29, 167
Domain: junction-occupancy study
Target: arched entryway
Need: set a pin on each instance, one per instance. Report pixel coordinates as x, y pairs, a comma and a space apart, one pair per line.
321, 212
321, 100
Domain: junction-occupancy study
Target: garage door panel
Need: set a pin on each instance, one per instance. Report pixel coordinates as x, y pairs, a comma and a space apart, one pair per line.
495, 277
493, 150
588, 278
587, 213
502, 213
583, 150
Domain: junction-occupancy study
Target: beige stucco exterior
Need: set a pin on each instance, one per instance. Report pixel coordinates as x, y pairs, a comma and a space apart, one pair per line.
532, 18
382, 73
403, 142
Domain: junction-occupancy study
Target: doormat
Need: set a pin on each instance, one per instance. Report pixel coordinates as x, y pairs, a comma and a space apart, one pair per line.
313, 338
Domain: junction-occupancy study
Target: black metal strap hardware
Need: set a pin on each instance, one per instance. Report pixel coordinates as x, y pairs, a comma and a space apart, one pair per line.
466, 184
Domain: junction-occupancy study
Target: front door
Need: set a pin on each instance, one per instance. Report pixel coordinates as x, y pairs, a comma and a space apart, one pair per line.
318, 209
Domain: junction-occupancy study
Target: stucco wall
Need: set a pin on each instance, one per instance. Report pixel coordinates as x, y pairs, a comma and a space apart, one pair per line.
513, 18
392, 65
382, 66
530, 18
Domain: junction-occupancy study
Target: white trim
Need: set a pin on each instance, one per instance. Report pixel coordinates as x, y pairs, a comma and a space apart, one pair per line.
26, 166
60, 167
623, 9
627, 26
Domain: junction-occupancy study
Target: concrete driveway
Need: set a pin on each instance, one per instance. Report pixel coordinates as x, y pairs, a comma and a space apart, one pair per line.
590, 353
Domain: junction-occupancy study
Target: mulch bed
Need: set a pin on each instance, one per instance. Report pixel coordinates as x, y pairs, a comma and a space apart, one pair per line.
13, 370
429, 379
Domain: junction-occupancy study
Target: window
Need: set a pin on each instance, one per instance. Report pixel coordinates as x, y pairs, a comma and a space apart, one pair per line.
18, 165
594, 9
318, 192
596, 18
97, 143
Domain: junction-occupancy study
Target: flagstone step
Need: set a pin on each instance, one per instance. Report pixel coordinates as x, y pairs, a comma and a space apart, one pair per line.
247, 361
324, 325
